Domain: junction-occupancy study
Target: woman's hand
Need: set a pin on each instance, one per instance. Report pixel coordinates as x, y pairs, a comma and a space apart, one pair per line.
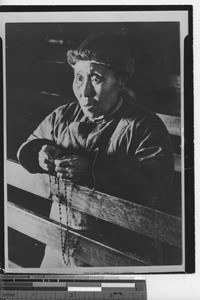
73, 167
47, 156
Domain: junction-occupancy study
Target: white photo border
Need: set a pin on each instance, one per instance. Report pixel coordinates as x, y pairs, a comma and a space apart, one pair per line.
116, 16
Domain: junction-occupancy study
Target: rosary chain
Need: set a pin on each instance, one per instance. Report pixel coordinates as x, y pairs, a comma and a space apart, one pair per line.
64, 238
67, 208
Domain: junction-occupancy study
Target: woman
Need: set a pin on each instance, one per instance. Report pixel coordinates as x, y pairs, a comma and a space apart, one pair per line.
103, 141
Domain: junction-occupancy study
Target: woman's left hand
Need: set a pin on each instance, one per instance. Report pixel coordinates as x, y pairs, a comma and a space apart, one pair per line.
73, 167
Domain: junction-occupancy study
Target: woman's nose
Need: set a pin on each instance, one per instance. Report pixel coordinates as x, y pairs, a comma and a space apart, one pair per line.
88, 89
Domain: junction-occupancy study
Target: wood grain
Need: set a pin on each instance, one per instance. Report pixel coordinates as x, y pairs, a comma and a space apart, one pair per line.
177, 163
48, 232
143, 220
173, 124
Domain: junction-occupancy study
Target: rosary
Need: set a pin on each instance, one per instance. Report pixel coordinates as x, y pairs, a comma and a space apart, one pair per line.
64, 236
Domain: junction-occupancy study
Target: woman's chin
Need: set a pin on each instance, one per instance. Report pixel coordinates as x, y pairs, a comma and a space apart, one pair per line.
91, 114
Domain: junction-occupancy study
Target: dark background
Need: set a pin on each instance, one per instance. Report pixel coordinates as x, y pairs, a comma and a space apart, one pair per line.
38, 79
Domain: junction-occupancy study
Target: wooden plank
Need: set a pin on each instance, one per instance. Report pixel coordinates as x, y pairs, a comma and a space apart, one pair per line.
177, 163
174, 81
48, 232
17, 176
149, 222
129, 215
173, 124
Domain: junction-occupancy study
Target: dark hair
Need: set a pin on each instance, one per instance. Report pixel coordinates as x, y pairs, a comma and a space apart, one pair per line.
108, 48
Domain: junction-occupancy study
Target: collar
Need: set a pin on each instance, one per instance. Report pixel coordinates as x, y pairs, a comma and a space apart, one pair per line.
112, 112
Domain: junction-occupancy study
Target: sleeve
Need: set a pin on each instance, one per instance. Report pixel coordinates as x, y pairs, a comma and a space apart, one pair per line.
141, 170
43, 135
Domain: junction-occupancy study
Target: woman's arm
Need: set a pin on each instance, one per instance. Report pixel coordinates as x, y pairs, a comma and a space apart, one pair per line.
28, 153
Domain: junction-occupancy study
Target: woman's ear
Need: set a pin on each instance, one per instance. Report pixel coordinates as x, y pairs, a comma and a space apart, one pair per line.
122, 79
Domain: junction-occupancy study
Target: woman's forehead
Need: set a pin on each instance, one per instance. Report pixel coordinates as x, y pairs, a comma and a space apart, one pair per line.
88, 66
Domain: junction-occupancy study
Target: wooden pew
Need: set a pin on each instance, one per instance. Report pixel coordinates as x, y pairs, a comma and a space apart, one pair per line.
164, 229
134, 217
38, 81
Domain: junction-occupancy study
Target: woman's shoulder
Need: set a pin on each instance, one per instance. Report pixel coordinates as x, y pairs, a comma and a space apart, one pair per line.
138, 113
140, 117
68, 111
69, 107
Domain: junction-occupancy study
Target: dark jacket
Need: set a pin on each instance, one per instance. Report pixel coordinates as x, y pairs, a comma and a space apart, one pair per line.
130, 151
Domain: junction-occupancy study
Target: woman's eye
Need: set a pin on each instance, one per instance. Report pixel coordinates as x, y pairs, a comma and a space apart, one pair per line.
79, 78
96, 79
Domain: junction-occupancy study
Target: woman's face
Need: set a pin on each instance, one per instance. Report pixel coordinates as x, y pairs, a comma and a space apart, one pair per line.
95, 87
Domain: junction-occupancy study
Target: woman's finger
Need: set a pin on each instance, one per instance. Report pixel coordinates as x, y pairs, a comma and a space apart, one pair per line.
63, 170
67, 161
51, 151
63, 175
61, 163
48, 162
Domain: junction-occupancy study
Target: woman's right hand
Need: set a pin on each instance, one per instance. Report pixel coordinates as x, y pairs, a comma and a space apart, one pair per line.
47, 156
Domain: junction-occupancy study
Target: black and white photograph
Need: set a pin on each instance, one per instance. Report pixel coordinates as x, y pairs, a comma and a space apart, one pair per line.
94, 150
